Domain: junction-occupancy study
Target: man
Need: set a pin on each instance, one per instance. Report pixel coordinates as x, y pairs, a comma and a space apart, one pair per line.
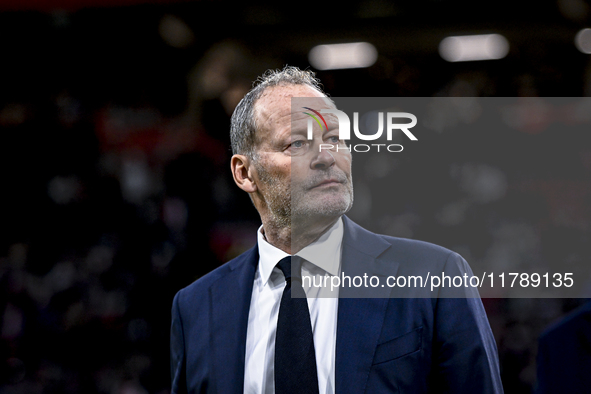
231, 329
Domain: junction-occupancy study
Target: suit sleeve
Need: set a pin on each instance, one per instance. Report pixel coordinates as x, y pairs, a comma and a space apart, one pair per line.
177, 350
465, 353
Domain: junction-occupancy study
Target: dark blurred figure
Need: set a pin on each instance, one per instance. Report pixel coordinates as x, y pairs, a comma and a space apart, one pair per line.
564, 355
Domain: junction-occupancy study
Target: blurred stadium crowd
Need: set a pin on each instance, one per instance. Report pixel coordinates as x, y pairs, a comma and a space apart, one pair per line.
116, 189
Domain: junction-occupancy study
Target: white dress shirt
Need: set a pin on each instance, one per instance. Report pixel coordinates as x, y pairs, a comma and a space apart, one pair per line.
323, 257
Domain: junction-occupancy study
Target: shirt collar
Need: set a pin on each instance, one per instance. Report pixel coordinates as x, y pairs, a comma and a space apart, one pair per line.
269, 256
324, 253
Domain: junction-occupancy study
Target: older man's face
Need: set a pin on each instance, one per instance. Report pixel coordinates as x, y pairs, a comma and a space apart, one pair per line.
296, 179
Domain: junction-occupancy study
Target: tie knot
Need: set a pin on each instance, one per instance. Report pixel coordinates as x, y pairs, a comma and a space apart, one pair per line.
285, 265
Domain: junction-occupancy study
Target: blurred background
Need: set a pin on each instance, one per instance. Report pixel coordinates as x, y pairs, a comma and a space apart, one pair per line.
114, 161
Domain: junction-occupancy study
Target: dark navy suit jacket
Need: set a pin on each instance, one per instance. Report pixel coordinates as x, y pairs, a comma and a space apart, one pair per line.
564, 355
383, 345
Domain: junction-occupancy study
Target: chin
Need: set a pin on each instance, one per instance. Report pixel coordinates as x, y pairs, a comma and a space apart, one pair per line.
323, 207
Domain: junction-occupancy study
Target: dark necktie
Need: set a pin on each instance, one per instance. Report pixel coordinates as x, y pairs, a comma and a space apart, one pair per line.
295, 360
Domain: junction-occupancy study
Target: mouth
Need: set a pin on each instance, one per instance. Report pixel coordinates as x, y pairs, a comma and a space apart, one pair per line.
327, 183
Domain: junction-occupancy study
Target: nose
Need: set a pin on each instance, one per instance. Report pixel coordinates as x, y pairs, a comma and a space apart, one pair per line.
323, 160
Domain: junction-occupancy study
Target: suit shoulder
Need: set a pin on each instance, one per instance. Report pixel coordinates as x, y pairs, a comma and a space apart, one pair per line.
369, 242
416, 247
570, 323
200, 286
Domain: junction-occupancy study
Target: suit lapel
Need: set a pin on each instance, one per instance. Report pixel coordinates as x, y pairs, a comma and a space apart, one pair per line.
230, 304
360, 320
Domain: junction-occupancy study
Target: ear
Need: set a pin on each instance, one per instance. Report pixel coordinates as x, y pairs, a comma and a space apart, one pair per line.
241, 171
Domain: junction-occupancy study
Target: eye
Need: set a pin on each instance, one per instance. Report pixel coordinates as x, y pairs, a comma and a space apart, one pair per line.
334, 139
297, 144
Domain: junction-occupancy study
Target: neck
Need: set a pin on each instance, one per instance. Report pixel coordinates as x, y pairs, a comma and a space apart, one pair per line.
301, 233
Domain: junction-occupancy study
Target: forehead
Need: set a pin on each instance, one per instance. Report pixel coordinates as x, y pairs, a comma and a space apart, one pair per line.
274, 107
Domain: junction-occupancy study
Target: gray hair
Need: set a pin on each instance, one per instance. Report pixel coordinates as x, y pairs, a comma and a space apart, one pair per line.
243, 124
